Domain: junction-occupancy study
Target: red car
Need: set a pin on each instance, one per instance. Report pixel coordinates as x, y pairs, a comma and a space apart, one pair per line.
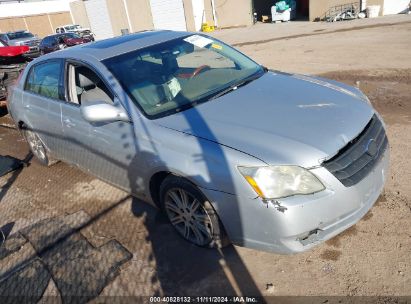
57, 42
12, 62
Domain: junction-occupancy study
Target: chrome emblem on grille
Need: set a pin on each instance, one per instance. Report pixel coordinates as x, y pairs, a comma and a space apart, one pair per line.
372, 148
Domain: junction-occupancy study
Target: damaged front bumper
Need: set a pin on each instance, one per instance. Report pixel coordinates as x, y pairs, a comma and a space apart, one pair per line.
298, 223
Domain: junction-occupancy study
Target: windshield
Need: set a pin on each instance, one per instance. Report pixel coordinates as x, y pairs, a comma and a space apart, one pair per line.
19, 35
70, 27
178, 74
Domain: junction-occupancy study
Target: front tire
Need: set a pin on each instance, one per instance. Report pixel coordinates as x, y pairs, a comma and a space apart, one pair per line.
191, 214
38, 149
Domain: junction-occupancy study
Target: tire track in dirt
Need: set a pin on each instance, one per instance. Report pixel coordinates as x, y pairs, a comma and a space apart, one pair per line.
316, 33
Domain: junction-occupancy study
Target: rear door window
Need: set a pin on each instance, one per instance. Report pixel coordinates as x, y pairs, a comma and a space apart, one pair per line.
45, 79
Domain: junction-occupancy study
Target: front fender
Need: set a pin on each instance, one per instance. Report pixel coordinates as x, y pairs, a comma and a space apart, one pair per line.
205, 163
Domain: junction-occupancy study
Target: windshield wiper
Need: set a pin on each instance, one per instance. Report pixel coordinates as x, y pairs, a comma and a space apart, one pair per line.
235, 86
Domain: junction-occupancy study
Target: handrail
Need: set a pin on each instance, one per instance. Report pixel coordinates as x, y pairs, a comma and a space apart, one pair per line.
333, 12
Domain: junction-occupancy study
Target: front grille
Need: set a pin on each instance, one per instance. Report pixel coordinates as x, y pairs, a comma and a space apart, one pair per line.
358, 157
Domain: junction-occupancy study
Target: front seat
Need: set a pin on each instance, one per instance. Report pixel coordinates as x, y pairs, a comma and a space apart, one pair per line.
90, 87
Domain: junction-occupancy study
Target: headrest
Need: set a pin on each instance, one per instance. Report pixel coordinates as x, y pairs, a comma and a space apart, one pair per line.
87, 78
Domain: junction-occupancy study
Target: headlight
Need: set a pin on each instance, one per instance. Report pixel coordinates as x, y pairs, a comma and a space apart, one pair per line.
273, 182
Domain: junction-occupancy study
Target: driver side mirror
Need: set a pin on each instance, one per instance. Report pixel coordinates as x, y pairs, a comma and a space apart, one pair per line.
101, 111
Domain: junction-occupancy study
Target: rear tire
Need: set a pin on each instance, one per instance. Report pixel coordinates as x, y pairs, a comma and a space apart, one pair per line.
38, 149
191, 214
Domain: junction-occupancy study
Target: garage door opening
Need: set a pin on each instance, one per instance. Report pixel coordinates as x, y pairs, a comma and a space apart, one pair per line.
303, 9
168, 15
263, 8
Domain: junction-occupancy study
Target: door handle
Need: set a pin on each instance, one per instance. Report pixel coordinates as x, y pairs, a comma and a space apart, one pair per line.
69, 123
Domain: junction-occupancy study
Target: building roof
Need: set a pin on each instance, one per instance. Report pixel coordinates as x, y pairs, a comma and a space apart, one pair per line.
19, 9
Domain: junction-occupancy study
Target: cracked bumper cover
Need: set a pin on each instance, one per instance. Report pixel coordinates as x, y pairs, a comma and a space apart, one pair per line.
302, 221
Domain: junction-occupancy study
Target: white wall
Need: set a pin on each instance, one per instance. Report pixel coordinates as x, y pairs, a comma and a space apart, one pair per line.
33, 8
395, 6
198, 13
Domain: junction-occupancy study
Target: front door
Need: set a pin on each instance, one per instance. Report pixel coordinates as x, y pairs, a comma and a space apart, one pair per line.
103, 149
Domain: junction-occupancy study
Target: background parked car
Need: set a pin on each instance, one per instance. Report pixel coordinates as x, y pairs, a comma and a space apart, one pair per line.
76, 28
57, 42
12, 62
20, 38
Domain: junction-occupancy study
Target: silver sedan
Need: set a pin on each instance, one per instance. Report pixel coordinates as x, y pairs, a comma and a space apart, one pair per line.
231, 151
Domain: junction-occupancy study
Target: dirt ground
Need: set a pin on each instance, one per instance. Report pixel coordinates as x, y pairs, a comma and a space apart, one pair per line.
373, 258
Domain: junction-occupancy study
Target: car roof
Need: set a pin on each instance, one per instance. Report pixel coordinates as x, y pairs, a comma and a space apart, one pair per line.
59, 34
72, 24
111, 47
12, 32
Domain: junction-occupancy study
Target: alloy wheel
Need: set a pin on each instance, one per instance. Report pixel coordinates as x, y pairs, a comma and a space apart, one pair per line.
36, 145
188, 216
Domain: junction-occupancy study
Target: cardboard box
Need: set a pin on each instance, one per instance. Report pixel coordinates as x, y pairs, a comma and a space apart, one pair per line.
265, 18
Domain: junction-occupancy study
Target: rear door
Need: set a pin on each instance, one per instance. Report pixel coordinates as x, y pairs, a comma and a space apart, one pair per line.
43, 92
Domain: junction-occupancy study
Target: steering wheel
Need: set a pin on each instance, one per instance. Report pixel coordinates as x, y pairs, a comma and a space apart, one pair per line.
199, 70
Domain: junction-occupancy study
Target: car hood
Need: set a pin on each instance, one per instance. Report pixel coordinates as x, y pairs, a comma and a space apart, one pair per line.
280, 119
